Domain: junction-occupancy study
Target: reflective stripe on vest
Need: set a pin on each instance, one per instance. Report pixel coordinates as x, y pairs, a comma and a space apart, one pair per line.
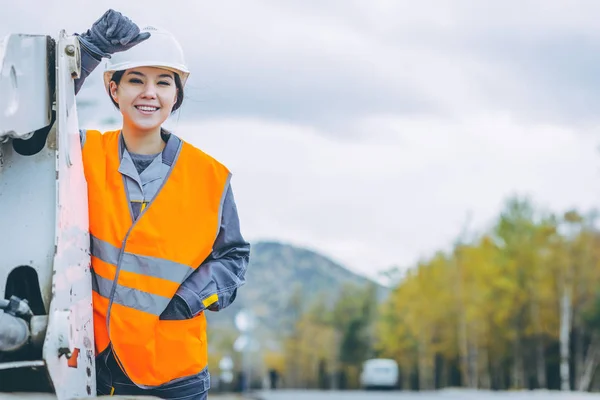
143, 265
138, 266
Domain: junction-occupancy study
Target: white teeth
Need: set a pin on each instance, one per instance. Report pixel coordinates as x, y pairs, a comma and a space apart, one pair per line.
144, 108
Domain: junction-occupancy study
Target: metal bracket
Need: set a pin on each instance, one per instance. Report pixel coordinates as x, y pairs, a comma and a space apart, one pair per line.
73, 52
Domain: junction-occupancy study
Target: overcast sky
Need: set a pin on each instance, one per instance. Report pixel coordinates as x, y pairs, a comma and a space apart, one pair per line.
368, 129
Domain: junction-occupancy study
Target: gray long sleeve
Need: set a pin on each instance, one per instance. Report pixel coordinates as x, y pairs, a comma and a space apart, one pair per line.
214, 284
89, 62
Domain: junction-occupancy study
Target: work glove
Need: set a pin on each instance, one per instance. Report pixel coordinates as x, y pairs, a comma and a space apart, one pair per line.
111, 33
177, 309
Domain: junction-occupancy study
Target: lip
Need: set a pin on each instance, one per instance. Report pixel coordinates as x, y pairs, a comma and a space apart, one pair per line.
146, 112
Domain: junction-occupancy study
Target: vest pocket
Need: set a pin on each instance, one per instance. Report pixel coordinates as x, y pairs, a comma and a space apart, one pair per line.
181, 348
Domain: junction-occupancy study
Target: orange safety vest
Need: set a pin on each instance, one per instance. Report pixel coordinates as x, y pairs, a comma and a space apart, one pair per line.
138, 267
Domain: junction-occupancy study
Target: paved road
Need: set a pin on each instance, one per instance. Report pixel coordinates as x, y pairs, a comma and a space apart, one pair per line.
452, 394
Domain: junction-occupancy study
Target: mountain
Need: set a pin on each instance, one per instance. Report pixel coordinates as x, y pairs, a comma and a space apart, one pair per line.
274, 271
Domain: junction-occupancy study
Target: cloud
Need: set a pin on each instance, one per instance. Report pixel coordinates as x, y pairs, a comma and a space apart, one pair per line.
302, 62
325, 64
373, 205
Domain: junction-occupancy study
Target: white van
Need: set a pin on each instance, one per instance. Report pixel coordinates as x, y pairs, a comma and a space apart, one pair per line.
379, 373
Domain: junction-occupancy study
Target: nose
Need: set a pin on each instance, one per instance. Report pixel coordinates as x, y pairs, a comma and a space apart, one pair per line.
149, 91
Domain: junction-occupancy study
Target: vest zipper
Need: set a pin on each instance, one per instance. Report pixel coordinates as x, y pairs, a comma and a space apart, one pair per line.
114, 286
122, 251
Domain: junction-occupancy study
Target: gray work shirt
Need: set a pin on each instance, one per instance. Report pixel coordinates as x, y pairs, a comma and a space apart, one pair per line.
144, 175
141, 187
143, 181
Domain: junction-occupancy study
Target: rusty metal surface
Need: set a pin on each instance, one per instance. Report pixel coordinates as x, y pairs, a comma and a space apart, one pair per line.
43, 200
69, 345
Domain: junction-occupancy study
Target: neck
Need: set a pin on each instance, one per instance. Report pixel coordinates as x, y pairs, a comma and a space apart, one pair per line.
143, 142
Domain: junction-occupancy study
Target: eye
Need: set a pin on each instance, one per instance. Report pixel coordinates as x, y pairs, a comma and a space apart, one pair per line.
164, 83
135, 80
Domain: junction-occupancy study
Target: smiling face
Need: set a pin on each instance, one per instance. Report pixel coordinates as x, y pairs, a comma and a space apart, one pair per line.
145, 96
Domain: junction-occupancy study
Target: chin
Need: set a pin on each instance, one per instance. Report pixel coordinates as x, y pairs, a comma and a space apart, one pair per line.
147, 125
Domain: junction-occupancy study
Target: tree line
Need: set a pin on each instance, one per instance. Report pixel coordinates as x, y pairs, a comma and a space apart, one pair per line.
517, 306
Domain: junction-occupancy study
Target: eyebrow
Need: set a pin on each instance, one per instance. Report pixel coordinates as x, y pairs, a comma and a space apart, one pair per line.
142, 75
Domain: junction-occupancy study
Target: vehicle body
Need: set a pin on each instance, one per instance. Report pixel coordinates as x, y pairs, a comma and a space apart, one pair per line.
46, 325
379, 373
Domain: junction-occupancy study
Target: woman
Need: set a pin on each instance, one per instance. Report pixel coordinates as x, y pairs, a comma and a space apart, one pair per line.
165, 237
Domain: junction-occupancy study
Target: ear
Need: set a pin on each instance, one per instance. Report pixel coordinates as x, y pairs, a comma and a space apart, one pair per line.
113, 91
175, 98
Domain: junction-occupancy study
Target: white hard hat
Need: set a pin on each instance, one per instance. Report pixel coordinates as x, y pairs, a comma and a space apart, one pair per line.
160, 50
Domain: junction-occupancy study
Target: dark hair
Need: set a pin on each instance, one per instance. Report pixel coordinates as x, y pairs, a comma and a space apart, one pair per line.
116, 78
